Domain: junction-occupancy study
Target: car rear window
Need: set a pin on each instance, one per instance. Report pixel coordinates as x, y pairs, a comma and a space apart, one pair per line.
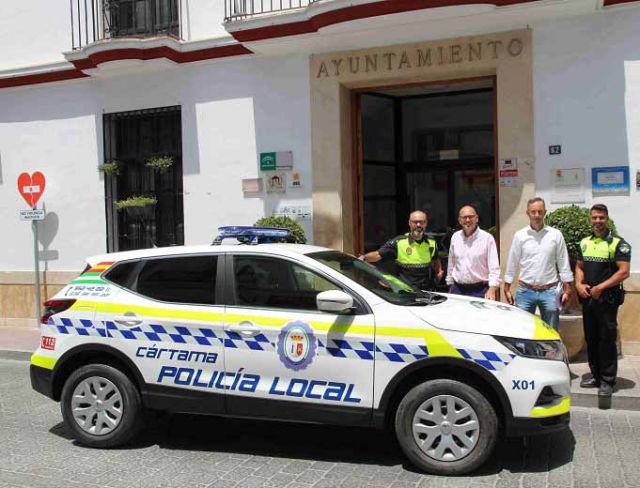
122, 273
184, 279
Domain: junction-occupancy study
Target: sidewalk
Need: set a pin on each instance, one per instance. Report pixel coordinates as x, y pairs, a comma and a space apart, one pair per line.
19, 342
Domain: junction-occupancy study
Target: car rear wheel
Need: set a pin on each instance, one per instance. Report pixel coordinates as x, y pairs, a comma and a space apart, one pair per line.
101, 406
446, 427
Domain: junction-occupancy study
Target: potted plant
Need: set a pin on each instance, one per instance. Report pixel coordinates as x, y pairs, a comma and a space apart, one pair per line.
138, 206
297, 232
575, 224
159, 164
111, 167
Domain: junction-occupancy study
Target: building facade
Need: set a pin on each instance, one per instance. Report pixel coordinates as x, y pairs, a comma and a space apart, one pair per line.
372, 108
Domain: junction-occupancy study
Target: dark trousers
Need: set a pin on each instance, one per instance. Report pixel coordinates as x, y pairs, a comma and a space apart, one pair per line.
600, 331
478, 292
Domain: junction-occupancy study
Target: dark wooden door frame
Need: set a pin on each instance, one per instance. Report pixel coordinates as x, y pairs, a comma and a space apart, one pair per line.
358, 159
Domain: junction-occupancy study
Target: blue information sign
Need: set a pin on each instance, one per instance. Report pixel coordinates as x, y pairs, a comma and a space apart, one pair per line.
610, 181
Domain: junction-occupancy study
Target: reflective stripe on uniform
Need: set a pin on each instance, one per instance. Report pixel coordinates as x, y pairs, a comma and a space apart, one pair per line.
598, 249
412, 253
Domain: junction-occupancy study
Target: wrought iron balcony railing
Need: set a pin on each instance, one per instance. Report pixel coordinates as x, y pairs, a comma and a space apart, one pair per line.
96, 20
244, 9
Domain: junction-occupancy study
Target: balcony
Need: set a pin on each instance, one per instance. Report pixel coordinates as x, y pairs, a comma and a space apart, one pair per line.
245, 9
99, 20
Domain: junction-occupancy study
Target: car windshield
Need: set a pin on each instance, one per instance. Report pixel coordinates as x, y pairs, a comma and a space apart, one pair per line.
385, 285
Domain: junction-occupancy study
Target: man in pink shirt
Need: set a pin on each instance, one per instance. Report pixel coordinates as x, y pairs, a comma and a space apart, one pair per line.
473, 269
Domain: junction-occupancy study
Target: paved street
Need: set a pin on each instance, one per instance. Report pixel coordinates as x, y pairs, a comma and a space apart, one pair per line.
191, 451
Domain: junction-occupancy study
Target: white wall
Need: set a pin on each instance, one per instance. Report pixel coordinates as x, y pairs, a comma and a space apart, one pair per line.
37, 32
203, 19
231, 111
52, 129
33, 32
587, 98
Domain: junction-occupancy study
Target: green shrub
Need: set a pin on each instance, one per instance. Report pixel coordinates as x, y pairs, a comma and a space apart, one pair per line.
297, 232
160, 164
575, 224
110, 168
136, 201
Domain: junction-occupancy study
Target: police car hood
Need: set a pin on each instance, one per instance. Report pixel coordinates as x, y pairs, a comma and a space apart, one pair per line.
478, 316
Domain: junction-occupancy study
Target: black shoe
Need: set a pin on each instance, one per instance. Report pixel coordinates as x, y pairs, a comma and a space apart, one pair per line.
590, 383
605, 390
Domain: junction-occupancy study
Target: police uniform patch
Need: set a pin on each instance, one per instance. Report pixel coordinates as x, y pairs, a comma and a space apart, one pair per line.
583, 246
296, 345
624, 248
409, 251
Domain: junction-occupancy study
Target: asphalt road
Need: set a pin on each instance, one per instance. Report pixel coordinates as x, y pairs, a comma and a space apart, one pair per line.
600, 450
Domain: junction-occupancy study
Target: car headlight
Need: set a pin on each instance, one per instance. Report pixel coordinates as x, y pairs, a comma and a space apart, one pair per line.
529, 348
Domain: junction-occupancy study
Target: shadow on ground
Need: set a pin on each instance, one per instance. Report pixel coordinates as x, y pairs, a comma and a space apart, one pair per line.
330, 443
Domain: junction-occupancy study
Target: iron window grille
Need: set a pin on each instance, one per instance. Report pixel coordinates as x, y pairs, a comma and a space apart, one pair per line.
132, 138
97, 20
243, 9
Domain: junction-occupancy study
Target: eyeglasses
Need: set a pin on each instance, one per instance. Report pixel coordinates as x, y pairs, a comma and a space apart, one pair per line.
418, 222
468, 217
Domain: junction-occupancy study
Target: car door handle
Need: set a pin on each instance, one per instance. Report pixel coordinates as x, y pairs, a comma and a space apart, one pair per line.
128, 320
246, 329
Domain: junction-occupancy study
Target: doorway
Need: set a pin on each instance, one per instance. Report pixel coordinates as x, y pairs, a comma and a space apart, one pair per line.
429, 147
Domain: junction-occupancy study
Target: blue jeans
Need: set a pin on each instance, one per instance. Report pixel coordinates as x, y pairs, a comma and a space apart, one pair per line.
528, 299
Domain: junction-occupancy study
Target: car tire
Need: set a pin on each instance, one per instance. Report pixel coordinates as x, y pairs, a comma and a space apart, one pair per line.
101, 406
446, 427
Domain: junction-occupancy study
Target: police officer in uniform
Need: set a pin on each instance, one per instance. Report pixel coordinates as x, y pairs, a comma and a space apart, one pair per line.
415, 254
603, 264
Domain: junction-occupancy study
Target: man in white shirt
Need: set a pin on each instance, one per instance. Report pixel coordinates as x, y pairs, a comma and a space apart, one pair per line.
540, 252
473, 268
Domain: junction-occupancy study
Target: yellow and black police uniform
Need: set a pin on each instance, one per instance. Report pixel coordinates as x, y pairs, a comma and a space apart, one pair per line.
599, 256
414, 259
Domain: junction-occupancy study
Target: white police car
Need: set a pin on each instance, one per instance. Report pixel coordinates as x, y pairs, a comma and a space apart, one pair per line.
295, 332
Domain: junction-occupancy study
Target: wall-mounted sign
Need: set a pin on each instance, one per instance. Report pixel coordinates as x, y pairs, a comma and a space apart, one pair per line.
252, 185
270, 161
508, 167
610, 181
267, 161
508, 172
296, 181
555, 150
276, 182
296, 212
567, 185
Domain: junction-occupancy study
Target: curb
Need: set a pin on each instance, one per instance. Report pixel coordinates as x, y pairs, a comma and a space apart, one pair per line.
616, 402
16, 355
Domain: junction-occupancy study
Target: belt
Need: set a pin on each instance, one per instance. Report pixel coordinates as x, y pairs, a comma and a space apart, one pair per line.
538, 287
472, 286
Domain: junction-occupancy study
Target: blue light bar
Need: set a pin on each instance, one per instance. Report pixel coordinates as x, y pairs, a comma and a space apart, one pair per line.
251, 235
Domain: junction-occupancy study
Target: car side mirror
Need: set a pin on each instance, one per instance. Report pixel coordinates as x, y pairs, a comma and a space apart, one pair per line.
335, 301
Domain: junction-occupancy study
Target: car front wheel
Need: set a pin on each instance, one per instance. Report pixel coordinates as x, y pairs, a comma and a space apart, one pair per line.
101, 406
446, 427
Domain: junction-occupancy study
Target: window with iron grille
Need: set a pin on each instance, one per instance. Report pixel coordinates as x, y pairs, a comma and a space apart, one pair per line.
131, 140
137, 18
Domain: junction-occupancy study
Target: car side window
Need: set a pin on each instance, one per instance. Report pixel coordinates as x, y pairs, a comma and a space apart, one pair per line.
276, 283
183, 279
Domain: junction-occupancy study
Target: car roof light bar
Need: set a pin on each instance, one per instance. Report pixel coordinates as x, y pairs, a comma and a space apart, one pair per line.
250, 235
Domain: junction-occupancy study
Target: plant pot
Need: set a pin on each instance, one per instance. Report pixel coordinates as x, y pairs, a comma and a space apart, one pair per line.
572, 334
145, 213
